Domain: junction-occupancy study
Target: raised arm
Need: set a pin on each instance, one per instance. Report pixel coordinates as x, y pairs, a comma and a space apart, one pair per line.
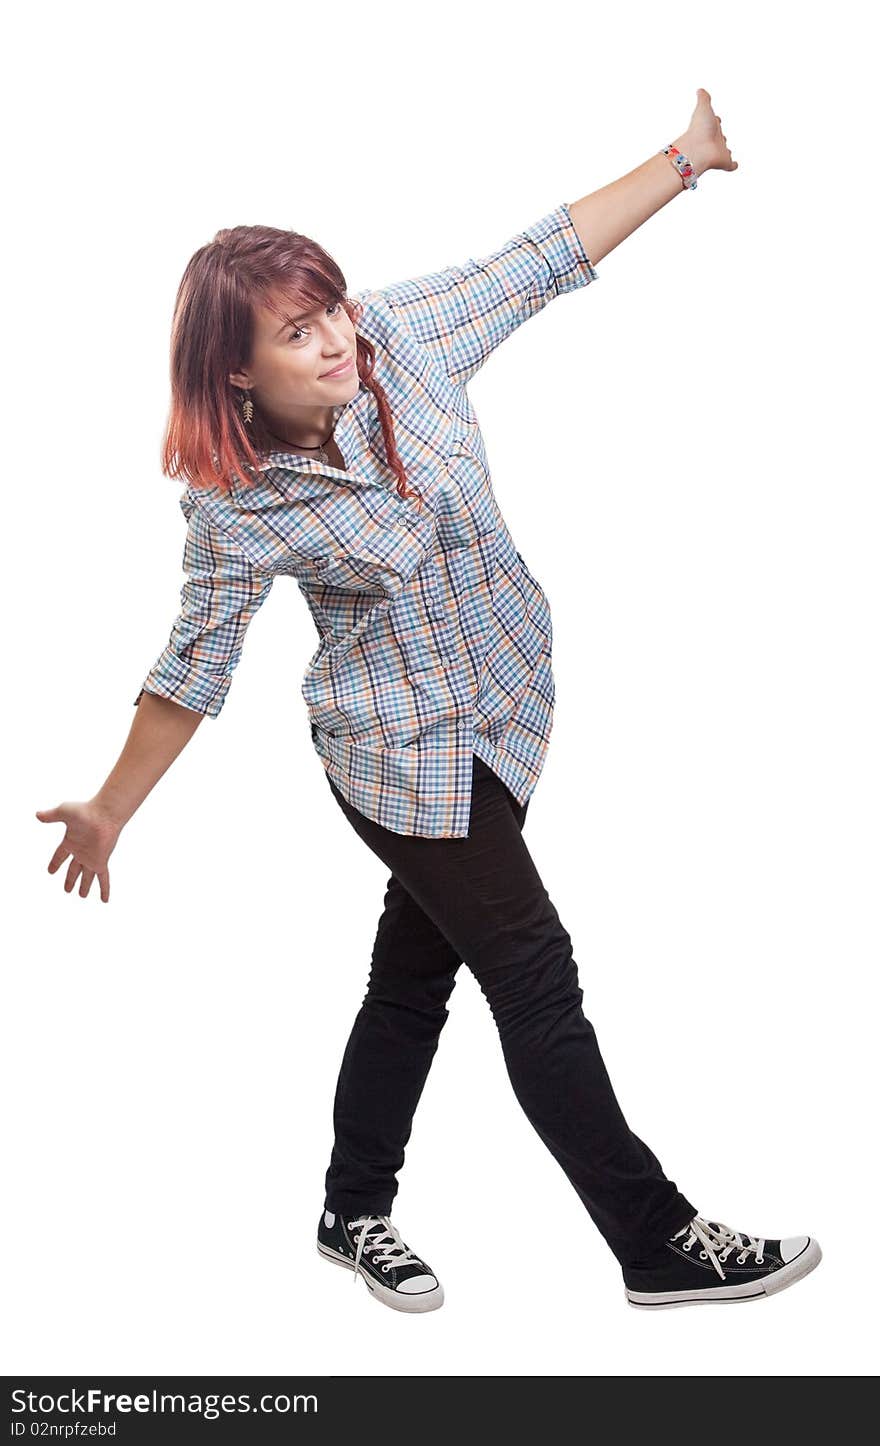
462, 313
606, 217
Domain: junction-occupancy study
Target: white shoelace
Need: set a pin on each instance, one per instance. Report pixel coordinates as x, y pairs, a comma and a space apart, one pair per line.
379, 1236
719, 1241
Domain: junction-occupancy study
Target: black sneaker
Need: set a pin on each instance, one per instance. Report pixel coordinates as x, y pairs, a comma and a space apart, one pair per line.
707, 1261
371, 1247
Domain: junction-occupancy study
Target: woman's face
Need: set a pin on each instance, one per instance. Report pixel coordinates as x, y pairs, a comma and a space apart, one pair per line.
287, 376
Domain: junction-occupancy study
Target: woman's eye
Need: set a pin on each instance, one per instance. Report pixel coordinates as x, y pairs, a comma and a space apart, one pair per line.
300, 331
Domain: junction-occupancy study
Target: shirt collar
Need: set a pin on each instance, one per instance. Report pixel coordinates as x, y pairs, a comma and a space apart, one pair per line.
286, 475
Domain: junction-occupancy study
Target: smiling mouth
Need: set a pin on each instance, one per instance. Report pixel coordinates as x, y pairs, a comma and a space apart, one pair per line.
337, 371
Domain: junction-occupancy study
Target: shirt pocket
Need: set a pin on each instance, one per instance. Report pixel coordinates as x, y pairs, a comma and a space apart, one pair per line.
351, 589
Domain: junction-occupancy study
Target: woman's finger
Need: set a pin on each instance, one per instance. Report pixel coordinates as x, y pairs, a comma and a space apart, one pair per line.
85, 882
73, 874
104, 882
57, 859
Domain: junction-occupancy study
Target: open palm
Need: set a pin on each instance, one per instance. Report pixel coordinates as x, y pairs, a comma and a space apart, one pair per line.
88, 842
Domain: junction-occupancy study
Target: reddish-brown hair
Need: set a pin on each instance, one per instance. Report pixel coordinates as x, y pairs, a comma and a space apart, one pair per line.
207, 441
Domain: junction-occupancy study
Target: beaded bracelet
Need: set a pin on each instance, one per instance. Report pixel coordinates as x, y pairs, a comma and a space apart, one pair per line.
682, 165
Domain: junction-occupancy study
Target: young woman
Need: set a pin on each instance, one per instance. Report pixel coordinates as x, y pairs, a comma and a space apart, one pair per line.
331, 438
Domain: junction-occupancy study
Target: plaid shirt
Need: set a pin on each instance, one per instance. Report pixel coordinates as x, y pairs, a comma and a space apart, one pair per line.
435, 639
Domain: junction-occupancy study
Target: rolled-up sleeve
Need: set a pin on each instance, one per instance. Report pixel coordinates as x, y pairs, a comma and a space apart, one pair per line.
461, 314
219, 599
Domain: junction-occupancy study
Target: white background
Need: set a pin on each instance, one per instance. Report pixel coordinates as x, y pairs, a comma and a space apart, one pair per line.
682, 453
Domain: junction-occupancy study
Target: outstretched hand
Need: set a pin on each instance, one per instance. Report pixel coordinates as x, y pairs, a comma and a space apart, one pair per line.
706, 146
90, 838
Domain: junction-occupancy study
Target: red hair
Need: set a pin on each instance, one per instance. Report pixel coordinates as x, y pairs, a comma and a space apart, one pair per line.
207, 441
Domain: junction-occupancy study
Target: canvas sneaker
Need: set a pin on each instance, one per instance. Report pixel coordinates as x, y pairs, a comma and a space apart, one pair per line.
707, 1261
370, 1246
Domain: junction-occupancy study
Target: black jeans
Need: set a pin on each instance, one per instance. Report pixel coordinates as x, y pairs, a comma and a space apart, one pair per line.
480, 900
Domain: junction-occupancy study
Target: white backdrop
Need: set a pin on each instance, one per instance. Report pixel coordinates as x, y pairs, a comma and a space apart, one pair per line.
682, 453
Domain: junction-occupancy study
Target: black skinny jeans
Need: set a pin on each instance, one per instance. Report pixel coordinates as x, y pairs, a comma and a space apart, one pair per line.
480, 900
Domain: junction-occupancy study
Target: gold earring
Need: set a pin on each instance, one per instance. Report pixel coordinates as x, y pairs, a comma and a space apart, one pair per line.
248, 409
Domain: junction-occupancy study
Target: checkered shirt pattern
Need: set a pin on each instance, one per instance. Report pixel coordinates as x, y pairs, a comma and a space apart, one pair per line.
435, 638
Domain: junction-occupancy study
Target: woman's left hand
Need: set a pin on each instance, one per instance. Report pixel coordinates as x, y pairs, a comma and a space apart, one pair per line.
703, 142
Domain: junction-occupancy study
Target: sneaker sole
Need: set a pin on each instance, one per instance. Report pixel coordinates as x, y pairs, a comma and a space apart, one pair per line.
751, 1290
414, 1304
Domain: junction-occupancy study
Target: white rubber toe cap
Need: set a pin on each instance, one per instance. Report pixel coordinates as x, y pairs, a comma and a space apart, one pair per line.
417, 1285
793, 1247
